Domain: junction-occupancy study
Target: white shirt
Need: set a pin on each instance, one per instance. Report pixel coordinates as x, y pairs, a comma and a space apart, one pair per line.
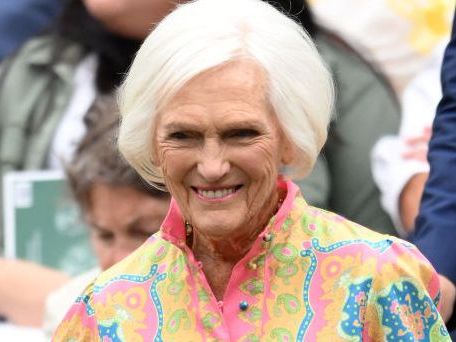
71, 128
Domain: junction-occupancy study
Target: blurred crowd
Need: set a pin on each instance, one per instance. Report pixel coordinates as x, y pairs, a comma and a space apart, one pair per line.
62, 61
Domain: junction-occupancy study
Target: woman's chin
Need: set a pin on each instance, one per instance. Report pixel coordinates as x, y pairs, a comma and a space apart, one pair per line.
216, 226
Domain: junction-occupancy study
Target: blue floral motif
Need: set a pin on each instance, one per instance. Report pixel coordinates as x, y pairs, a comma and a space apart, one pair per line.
355, 308
406, 316
109, 333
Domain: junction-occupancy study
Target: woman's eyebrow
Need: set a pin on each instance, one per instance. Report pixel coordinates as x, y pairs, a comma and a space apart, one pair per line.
227, 126
181, 126
244, 124
136, 227
98, 228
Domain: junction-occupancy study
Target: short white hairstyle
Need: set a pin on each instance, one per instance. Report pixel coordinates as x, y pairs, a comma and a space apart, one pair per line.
204, 34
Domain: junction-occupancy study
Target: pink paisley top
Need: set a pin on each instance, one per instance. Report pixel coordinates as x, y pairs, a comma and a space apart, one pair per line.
311, 275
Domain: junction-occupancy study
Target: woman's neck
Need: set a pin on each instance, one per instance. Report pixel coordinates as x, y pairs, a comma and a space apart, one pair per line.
218, 259
220, 254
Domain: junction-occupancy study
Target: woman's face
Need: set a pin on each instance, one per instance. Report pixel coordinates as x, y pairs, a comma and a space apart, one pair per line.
121, 219
220, 147
130, 18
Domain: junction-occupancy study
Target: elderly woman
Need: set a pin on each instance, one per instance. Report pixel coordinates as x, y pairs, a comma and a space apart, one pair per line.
224, 98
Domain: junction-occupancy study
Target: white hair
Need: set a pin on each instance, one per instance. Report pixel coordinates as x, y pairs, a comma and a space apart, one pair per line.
203, 34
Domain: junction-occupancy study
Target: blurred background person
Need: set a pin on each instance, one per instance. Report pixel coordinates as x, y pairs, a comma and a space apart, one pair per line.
399, 162
121, 210
48, 86
51, 82
22, 19
405, 40
366, 109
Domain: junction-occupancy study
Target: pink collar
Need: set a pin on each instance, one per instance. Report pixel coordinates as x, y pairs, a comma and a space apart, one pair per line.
173, 227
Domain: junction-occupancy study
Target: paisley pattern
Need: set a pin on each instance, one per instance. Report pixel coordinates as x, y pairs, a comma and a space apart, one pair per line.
408, 315
311, 276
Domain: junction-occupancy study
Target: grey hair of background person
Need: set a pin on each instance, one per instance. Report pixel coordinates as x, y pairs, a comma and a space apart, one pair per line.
204, 34
97, 159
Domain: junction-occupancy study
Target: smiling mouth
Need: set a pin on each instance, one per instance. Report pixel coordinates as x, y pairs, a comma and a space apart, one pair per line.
215, 194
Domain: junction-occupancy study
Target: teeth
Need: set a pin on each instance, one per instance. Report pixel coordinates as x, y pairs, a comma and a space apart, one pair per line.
216, 194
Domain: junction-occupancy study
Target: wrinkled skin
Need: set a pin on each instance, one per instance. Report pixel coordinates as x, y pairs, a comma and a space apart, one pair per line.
220, 133
121, 219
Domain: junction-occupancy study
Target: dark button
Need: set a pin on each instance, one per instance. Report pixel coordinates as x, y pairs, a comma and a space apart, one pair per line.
243, 305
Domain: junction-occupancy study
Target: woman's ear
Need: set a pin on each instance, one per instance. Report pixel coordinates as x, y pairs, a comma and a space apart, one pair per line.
288, 151
154, 156
154, 153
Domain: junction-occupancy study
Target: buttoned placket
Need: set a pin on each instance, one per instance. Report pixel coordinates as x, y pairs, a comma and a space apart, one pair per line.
237, 301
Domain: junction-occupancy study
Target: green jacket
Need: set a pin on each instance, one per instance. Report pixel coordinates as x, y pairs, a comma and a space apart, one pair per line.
34, 93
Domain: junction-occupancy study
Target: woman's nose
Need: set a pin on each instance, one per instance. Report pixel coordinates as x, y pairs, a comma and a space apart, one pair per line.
213, 164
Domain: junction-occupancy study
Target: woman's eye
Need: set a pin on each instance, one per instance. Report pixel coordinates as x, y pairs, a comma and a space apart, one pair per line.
243, 133
141, 233
105, 237
179, 136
